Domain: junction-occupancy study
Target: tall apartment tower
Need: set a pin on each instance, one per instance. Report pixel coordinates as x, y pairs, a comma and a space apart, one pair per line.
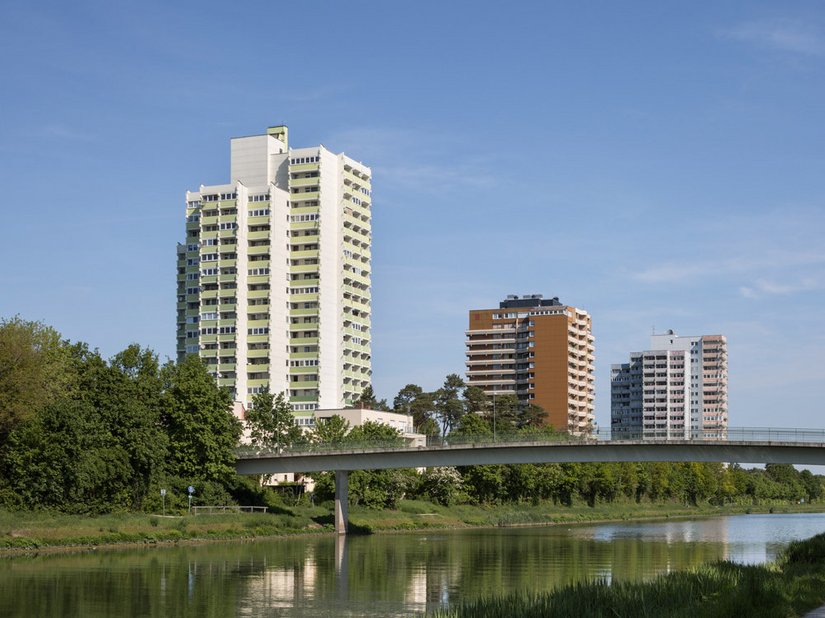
677, 389
540, 350
274, 276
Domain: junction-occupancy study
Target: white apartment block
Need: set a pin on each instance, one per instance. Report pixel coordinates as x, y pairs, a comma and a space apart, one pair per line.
274, 277
677, 389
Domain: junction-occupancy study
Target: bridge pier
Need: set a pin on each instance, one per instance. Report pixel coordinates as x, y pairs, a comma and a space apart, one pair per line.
341, 501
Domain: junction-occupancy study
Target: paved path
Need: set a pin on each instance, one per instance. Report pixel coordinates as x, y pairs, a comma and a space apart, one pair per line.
817, 613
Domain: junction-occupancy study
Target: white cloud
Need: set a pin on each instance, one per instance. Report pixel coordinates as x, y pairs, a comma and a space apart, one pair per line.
765, 287
416, 159
781, 34
674, 272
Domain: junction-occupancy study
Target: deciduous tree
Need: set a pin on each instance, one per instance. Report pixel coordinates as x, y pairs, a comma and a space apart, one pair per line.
271, 422
34, 370
197, 416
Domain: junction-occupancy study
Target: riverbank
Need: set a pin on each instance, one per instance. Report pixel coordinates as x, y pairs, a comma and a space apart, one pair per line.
791, 586
23, 532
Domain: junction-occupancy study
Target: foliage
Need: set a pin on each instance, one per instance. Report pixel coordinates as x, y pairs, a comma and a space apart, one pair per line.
449, 406
271, 421
443, 486
34, 370
368, 400
790, 587
375, 432
412, 400
197, 416
127, 395
65, 458
332, 430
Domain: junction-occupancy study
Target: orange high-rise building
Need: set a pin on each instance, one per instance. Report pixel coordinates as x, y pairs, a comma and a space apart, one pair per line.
539, 350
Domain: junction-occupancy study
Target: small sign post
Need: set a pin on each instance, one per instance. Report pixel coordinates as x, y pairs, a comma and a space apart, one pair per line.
163, 500
191, 490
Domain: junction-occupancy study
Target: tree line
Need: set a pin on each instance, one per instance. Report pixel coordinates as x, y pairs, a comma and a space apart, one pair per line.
84, 434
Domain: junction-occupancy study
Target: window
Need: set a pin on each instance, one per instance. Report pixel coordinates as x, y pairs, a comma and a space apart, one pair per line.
301, 218
259, 212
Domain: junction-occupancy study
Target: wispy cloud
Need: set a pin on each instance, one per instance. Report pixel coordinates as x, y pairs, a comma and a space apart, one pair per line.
416, 159
676, 272
766, 287
435, 178
786, 35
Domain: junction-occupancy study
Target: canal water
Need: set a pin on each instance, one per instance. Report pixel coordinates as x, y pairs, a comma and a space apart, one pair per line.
382, 575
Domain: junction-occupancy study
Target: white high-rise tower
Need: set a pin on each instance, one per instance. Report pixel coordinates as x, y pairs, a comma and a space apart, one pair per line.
274, 276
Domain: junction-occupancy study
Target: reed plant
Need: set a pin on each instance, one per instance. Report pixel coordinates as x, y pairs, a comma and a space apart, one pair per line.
791, 586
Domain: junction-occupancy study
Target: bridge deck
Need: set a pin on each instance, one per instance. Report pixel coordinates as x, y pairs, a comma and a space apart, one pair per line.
364, 458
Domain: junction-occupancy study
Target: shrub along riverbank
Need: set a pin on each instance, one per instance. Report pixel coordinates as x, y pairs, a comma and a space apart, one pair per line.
26, 531
791, 586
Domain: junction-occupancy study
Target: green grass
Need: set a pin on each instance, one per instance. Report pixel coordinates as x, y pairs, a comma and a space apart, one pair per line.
47, 529
42, 529
791, 586
417, 514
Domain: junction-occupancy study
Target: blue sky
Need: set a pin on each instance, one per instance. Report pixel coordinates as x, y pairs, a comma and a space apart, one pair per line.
659, 164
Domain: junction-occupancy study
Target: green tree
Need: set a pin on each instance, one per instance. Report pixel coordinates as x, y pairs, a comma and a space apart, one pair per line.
332, 430
128, 394
367, 399
788, 478
379, 488
377, 433
484, 484
34, 370
449, 406
66, 458
471, 426
812, 485
504, 413
533, 416
475, 400
442, 486
271, 422
412, 400
197, 416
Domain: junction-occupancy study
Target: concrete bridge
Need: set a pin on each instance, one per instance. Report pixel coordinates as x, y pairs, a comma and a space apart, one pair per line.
734, 445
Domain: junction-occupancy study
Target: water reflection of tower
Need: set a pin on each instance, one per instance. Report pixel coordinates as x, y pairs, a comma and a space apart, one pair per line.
283, 586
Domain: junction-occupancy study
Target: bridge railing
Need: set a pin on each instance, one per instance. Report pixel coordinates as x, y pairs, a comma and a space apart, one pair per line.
599, 435
728, 434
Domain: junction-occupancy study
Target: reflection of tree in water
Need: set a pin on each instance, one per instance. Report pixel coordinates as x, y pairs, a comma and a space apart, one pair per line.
321, 575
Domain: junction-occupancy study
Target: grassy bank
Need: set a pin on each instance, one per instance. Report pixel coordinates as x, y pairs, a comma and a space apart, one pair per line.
38, 530
792, 586
27, 530
415, 514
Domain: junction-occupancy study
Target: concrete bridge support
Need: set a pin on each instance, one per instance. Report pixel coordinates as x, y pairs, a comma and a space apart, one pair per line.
341, 501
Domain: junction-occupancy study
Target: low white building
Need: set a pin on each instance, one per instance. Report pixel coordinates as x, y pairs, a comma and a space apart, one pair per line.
358, 416
355, 417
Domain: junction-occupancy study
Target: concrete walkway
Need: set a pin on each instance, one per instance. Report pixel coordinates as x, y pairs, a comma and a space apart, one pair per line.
817, 613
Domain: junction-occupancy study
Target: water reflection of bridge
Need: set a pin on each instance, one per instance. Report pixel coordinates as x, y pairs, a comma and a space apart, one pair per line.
740, 445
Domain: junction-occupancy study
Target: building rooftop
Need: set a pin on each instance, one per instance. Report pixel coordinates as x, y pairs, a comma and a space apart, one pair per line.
514, 301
